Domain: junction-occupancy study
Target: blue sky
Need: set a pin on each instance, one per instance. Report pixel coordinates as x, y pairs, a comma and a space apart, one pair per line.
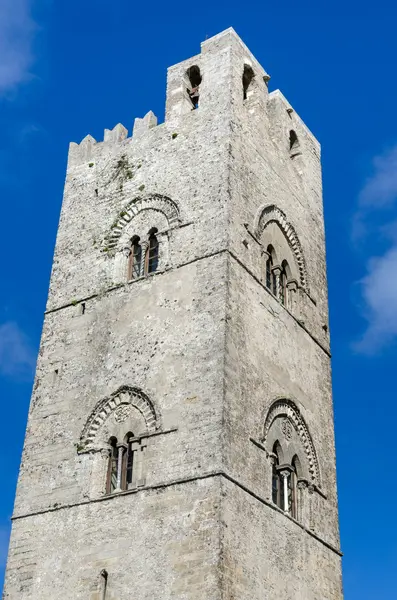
72, 68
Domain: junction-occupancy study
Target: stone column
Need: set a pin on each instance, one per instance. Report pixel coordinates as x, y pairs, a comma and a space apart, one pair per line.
121, 449
301, 505
164, 257
141, 472
311, 507
99, 474
276, 271
120, 272
144, 246
292, 289
284, 475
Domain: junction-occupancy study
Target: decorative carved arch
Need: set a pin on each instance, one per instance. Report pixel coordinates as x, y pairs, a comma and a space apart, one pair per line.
286, 408
124, 396
162, 204
271, 213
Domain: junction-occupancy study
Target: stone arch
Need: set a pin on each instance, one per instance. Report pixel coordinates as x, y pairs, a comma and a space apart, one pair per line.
298, 466
158, 202
271, 213
286, 408
277, 449
123, 397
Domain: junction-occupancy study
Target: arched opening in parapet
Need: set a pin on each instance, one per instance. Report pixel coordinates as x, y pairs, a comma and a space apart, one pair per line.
294, 146
194, 79
248, 77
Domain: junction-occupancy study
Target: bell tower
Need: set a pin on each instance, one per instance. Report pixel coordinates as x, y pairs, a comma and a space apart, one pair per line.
180, 440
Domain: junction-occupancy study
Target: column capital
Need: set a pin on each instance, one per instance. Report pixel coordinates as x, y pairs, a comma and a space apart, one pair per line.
292, 285
285, 473
302, 483
276, 270
285, 469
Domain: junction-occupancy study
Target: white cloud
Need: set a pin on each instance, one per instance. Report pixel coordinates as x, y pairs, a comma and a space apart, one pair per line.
16, 36
379, 293
378, 288
380, 190
17, 357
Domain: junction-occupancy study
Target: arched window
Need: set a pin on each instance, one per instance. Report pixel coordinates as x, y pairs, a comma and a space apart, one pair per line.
293, 140
271, 282
283, 283
294, 146
152, 253
269, 266
194, 77
134, 259
293, 505
111, 485
129, 460
248, 77
277, 487
277, 276
284, 483
121, 465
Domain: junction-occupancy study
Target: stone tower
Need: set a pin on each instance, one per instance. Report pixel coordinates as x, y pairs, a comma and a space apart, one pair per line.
180, 442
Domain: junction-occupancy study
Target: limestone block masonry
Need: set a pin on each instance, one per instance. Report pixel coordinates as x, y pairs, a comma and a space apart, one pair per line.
180, 440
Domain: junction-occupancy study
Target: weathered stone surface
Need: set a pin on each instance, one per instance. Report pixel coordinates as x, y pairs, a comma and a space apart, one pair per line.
191, 360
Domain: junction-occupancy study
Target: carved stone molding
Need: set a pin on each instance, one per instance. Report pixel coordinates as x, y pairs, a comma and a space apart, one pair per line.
272, 213
119, 406
287, 408
162, 204
286, 428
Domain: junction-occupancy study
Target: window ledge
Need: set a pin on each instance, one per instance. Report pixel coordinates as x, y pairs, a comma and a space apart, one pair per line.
138, 438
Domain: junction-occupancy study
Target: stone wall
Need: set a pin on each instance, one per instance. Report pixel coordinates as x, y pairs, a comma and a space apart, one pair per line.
160, 543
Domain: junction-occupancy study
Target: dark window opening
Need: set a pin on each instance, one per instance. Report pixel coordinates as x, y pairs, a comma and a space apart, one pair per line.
194, 77
135, 259
283, 283
104, 582
113, 467
269, 266
248, 76
293, 489
271, 281
121, 464
277, 484
129, 465
284, 483
152, 253
293, 141
82, 308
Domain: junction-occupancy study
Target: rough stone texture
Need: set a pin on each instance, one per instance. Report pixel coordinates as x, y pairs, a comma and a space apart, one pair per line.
199, 360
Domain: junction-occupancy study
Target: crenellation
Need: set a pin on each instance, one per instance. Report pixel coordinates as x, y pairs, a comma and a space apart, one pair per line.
80, 153
117, 134
142, 125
